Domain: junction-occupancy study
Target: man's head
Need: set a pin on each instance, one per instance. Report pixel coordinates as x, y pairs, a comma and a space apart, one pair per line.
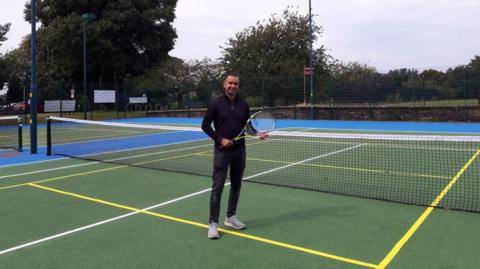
231, 84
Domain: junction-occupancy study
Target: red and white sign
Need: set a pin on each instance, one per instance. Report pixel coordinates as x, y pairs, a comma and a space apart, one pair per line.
307, 71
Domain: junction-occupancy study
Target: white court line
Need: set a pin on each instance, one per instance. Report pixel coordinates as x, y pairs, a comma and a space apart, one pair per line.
99, 223
383, 131
341, 142
146, 147
43, 161
95, 162
161, 204
306, 160
111, 160
305, 130
6, 149
64, 158
66, 142
48, 170
75, 130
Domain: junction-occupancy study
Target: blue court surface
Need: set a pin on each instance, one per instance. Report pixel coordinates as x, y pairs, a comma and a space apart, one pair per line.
387, 126
361, 126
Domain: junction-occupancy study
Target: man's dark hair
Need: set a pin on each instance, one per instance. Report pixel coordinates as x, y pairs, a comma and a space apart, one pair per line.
230, 73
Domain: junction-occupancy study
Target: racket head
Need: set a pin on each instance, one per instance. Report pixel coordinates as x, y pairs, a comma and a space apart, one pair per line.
262, 121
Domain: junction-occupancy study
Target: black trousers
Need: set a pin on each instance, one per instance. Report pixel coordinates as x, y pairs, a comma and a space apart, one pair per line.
222, 159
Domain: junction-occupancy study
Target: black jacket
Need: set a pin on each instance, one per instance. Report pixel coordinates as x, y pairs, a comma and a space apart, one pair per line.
228, 117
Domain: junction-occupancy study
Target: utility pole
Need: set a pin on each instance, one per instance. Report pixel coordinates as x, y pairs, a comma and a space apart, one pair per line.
86, 17
33, 90
312, 101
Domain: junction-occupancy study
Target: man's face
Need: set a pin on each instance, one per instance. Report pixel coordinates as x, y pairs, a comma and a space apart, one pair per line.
231, 84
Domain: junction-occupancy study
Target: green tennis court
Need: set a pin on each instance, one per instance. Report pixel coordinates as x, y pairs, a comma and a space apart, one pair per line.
146, 206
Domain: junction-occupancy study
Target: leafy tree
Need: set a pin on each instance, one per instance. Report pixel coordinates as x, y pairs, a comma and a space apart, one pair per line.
434, 76
3, 32
179, 84
475, 63
473, 77
207, 77
353, 82
270, 57
17, 71
126, 37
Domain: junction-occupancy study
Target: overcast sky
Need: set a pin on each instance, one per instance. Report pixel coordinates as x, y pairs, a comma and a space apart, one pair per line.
385, 34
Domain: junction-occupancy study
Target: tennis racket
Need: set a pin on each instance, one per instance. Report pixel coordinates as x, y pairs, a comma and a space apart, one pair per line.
261, 121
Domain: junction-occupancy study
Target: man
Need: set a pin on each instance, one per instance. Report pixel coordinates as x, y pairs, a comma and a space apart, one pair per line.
229, 114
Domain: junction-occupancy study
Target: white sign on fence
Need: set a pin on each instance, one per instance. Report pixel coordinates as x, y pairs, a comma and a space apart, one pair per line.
103, 96
138, 100
59, 105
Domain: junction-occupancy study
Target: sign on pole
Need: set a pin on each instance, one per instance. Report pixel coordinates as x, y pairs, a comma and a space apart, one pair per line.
103, 96
137, 100
307, 71
59, 105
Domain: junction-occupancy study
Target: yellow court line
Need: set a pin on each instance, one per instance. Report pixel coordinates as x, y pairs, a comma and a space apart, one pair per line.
62, 177
108, 169
95, 171
99, 170
398, 246
201, 225
343, 168
174, 157
354, 169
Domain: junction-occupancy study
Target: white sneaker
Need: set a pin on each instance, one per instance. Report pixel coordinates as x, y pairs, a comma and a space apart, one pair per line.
234, 223
213, 231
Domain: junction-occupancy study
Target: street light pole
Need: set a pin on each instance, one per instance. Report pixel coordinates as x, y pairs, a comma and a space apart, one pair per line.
33, 89
312, 106
86, 17
84, 70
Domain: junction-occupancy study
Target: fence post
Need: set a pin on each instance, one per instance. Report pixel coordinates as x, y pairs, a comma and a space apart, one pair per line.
20, 134
49, 136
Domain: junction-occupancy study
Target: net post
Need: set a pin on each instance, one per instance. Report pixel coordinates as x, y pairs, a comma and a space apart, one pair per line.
49, 136
20, 134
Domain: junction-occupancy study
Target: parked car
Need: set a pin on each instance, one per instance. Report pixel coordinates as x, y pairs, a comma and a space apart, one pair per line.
4, 108
20, 108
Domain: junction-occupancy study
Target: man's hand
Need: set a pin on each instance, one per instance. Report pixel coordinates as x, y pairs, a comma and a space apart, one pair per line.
262, 135
226, 143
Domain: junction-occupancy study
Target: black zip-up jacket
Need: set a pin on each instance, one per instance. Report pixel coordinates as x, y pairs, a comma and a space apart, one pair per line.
228, 117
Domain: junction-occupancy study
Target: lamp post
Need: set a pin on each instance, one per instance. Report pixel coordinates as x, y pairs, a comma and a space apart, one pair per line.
86, 17
312, 106
33, 89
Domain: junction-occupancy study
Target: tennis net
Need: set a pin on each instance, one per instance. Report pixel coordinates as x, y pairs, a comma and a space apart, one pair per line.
11, 132
427, 170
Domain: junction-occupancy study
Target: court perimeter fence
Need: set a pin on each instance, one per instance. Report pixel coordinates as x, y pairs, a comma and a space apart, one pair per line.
412, 97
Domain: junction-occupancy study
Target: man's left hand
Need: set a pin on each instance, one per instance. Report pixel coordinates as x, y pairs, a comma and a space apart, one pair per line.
262, 135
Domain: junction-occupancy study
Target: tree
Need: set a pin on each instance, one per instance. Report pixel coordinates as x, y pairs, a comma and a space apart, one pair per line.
353, 82
270, 57
3, 32
207, 78
17, 71
126, 37
179, 84
3, 66
473, 77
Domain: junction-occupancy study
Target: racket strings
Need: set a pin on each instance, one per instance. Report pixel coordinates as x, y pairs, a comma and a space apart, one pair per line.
263, 122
